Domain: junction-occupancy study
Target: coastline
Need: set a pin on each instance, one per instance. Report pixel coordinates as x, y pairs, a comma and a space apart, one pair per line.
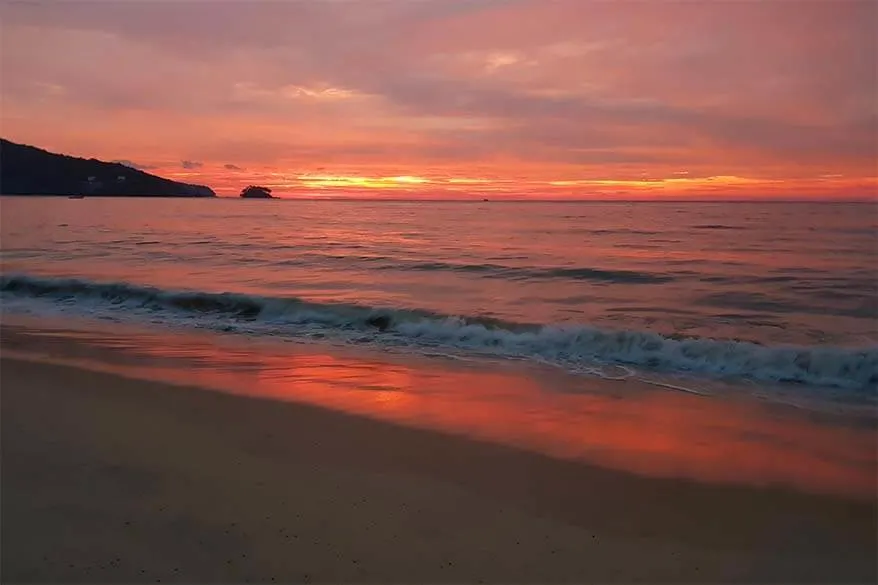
624, 425
111, 478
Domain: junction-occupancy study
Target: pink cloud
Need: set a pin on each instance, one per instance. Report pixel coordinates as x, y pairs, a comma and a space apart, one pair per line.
529, 88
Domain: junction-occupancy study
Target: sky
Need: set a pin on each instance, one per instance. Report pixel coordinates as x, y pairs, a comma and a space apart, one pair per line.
456, 98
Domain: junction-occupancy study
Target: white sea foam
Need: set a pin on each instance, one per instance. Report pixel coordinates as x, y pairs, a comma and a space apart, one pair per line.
578, 348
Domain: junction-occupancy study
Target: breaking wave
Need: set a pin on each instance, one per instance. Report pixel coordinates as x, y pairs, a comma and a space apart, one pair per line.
575, 347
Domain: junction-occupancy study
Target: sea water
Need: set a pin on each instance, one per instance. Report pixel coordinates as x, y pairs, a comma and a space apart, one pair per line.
685, 295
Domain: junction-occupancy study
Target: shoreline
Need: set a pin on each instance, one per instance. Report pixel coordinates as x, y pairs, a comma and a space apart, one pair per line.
620, 425
233, 488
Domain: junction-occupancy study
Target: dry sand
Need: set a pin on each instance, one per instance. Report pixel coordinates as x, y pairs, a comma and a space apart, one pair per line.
109, 479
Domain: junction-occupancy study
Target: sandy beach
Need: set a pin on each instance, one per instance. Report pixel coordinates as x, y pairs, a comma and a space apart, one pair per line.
112, 479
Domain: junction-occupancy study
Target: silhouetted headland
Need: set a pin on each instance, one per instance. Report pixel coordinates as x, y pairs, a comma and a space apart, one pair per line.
27, 170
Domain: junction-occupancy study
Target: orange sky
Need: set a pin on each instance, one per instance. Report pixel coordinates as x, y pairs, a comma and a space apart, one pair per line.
439, 98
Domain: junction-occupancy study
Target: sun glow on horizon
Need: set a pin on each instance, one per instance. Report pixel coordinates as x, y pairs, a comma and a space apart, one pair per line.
672, 186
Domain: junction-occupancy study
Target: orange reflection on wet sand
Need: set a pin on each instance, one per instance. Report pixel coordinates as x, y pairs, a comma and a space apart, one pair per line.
620, 424
654, 432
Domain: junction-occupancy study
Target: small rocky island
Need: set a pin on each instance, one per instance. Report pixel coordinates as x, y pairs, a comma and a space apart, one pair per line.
27, 170
256, 192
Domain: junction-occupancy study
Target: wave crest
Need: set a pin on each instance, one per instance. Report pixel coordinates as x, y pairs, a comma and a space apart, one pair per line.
574, 347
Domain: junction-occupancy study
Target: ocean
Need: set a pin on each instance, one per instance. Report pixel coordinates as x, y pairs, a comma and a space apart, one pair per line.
723, 342
693, 295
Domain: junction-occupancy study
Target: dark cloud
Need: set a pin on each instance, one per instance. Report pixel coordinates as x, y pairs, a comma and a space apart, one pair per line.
191, 164
231, 167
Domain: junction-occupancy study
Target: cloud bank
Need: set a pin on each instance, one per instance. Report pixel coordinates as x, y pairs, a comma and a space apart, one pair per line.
526, 96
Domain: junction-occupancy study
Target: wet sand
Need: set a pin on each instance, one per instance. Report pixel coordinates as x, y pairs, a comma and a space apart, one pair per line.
111, 479
628, 425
